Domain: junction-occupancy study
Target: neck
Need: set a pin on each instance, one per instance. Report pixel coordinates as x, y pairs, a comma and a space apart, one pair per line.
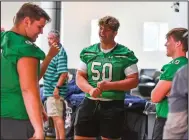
179, 54
107, 46
17, 29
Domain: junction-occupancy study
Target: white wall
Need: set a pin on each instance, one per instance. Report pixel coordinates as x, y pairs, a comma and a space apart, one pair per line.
8, 11
76, 21
77, 18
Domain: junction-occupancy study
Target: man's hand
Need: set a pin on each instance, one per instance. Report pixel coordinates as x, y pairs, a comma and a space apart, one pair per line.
103, 85
56, 93
168, 93
38, 135
45, 117
95, 92
53, 51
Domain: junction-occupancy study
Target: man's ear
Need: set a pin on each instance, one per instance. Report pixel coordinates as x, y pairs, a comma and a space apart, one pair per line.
27, 22
115, 33
178, 43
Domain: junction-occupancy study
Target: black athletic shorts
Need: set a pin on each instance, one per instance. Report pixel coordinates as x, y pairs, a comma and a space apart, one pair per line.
100, 118
16, 129
158, 128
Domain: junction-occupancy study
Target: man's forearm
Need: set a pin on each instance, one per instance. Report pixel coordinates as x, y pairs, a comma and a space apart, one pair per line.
83, 84
62, 79
160, 91
123, 85
33, 107
44, 65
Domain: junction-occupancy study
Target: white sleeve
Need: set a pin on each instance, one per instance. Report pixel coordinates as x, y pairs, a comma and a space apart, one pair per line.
131, 70
82, 66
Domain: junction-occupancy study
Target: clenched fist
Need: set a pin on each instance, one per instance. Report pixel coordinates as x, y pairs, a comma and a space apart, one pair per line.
95, 92
103, 85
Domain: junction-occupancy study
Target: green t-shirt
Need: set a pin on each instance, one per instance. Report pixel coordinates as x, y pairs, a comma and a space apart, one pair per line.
168, 72
14, 47
107, 66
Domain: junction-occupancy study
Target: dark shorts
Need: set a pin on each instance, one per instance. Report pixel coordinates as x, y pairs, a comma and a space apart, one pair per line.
158, 128
100, 118
16, 129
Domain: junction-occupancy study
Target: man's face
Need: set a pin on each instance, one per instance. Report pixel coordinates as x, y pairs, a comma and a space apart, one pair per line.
171, 45
33, 29
52, 39
106, 34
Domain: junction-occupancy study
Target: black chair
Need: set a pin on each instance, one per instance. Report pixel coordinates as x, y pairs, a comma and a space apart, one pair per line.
148, 79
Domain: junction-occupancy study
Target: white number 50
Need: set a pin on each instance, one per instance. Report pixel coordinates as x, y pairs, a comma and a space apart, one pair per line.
105, 66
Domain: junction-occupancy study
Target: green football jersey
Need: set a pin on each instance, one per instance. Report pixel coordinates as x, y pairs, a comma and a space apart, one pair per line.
107, 67
168, 72
14, 47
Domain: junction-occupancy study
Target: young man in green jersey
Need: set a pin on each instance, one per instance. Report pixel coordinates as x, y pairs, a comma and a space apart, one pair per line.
177, 46
21, 108
107, 70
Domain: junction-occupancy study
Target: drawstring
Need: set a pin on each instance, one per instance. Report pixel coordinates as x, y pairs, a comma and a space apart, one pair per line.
97, 103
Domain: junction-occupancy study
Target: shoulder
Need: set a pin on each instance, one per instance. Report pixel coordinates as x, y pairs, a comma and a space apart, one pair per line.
92, 48
170, 69
125, 53
62, 49
2, 34
175, 64
180, 61
123, 49
62, 54
90, 51
24, 47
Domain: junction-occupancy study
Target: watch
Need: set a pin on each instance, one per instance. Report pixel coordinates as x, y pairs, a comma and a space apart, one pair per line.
58, 87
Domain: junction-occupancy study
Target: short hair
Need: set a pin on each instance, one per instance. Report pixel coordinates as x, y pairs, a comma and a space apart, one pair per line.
110, 22
179, 34
55, 32
33, 11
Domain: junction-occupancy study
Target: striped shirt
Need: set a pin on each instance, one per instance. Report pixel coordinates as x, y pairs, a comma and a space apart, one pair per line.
57, 66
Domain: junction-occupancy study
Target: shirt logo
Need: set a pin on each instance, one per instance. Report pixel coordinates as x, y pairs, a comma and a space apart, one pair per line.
28, 42
177, 62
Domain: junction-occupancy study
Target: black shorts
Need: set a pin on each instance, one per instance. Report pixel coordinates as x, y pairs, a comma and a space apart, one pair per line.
100, 118
16, 129
158, 128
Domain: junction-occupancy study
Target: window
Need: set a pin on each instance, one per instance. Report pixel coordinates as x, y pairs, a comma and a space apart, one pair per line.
154, 36
94, 32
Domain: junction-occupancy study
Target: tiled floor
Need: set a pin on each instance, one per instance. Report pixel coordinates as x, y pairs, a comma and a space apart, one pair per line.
49, 138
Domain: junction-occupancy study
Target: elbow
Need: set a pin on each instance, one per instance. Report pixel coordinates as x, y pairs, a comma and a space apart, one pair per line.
135, 83
154, 99
77, 81
25, 91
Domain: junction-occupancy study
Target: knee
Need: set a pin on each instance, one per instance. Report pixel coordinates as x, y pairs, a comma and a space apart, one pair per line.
58, 120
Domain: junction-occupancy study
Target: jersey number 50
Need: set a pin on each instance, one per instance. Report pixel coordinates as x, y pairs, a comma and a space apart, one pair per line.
104, 74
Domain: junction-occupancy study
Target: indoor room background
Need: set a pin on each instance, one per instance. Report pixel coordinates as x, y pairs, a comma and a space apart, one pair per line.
143, 26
